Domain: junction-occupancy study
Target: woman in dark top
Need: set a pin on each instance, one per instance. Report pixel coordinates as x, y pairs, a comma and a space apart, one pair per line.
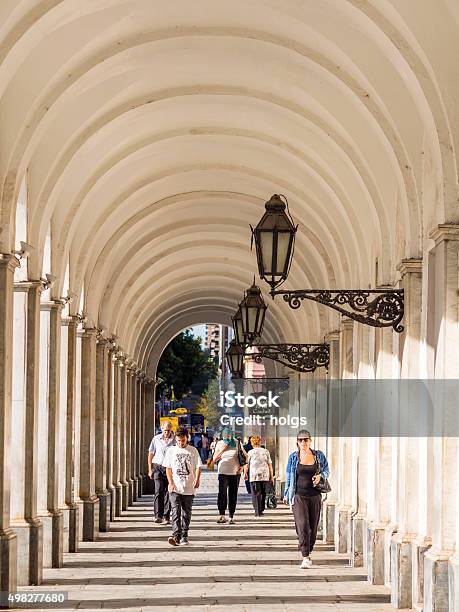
305, 468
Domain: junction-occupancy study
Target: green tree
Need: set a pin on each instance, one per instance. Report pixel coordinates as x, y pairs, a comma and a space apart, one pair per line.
209, 406
186, 366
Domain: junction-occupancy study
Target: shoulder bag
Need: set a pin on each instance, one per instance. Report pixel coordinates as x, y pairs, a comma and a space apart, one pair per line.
323, 486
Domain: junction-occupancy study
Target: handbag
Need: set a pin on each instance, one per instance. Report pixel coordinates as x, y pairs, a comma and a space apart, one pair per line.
323, 486
210, 465
241, 457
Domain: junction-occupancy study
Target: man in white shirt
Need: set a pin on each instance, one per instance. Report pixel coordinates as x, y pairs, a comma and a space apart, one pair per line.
157, 472
183, 469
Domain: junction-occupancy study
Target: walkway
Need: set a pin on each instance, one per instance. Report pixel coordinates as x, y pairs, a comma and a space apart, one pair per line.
249, 566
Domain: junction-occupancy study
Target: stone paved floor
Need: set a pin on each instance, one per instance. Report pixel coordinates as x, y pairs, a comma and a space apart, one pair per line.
252, 565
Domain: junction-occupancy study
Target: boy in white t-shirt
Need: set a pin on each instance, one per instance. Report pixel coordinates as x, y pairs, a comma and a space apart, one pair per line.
183, 469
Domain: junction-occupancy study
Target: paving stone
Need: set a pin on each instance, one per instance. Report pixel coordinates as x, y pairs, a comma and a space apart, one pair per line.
252, 565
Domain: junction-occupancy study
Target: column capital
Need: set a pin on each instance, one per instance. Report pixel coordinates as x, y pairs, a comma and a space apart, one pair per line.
90, 332
347, 324
9, 261
410, 266
333, 335
30, 284
445, 231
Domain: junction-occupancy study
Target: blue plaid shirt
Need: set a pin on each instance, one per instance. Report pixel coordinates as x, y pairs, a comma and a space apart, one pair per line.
292, 464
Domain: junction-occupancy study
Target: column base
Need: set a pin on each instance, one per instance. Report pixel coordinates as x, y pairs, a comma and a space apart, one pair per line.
436, 582
402, 571
90, 519
376, 534
329, 515
358, 540
342, 530
65, 527
130, 492
57, 556
118, 498
453, 583
418, 549
124, 495
46, 519
75, 525
8, 563
135, 490
390, 530
111, 502
104, 510
29, 542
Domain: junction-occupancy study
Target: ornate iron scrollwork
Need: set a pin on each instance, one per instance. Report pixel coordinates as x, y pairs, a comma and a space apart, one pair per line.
386, 309
300, 357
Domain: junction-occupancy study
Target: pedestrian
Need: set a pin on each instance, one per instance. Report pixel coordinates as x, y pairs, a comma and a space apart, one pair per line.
305, 470
158, 446
229, 474
248, 447
183, 469
259, 471
204, 450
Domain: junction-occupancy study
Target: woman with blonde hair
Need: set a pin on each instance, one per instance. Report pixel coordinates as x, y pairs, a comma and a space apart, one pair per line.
259, 471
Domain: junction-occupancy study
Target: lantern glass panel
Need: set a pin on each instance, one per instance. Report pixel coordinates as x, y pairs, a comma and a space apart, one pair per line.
266, 245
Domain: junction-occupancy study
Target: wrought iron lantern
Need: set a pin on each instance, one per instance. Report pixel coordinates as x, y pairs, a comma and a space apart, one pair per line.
253, 310
274, 242
237, 327
274, 238
235, 358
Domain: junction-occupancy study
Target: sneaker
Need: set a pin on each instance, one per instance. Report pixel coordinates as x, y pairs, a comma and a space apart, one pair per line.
165, 521
158, 520
306, 563
184, 541
232, 521
221, 519
173, 541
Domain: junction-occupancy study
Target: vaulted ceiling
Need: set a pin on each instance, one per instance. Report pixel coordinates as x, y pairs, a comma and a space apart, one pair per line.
150, 134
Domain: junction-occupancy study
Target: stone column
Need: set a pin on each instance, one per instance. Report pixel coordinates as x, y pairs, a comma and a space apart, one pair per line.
8, 541
134, 434
363, 371
138, 438
116, 436
123, 434
130, 482
72, 324
142, 451
87, 487
407, 482
441, 561
110, 430
54, 409
344, 508
102, 402
329, 510
149, 427
380, 529
30, 532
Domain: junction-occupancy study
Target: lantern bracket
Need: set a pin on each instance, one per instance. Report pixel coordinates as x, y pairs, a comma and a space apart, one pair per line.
300, 357
385, 309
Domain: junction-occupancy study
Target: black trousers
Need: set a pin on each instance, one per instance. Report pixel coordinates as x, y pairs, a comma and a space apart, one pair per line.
181, 506
228, 485
306, 511
161, 498
259, 496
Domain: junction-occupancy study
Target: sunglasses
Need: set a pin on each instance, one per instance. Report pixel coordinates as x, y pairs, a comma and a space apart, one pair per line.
303, 439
